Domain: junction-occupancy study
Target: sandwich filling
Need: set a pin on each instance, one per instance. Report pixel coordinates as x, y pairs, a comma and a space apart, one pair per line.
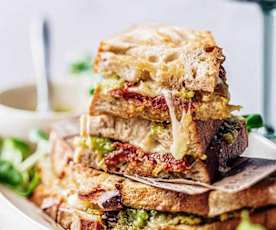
152, 136
147, 100
125, 158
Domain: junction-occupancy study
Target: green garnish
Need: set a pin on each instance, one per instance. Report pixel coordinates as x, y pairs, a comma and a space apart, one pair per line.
17, 162
82, 65
9, 174
253, 121
246, 224
14, 150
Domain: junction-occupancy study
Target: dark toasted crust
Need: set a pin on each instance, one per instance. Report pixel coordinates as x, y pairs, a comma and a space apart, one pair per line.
145, 109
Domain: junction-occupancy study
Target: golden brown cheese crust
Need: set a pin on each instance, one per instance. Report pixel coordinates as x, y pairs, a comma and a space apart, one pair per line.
172, 56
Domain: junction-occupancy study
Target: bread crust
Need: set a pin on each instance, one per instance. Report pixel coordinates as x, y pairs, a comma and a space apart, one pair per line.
171, 56
71, 219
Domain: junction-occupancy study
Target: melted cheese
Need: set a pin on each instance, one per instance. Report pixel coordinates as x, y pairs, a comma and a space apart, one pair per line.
85, 125
180, 129
148, 88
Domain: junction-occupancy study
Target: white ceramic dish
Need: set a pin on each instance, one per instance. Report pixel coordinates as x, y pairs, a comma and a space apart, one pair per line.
24, 213
17, 105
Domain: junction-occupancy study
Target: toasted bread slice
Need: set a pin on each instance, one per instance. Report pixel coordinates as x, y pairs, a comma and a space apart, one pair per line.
152, 136
170, 56
125, 158
75, 218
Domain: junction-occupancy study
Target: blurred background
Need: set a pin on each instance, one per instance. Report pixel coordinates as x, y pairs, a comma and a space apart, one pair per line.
78, 26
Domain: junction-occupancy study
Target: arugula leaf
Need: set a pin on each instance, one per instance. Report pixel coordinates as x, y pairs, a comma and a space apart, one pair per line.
253, 121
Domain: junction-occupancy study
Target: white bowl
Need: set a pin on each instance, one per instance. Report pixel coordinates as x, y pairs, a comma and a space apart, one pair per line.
17, 107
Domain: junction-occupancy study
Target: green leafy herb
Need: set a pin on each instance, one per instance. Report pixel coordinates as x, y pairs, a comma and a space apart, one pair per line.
17, 163
14, 150
253, 121
9, 174
27, 187
246, 224
82, 65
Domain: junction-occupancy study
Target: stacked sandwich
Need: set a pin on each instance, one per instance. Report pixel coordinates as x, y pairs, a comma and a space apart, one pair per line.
161, 111
163, 107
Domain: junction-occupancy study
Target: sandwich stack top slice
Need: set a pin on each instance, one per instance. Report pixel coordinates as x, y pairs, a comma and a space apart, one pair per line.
167, 56
148, 66
78, 197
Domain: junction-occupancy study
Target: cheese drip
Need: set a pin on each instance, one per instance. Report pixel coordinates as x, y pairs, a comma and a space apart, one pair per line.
84, 125
180, 129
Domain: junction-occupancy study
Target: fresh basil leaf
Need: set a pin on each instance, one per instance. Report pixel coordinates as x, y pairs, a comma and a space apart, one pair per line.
253, 121
9, 174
